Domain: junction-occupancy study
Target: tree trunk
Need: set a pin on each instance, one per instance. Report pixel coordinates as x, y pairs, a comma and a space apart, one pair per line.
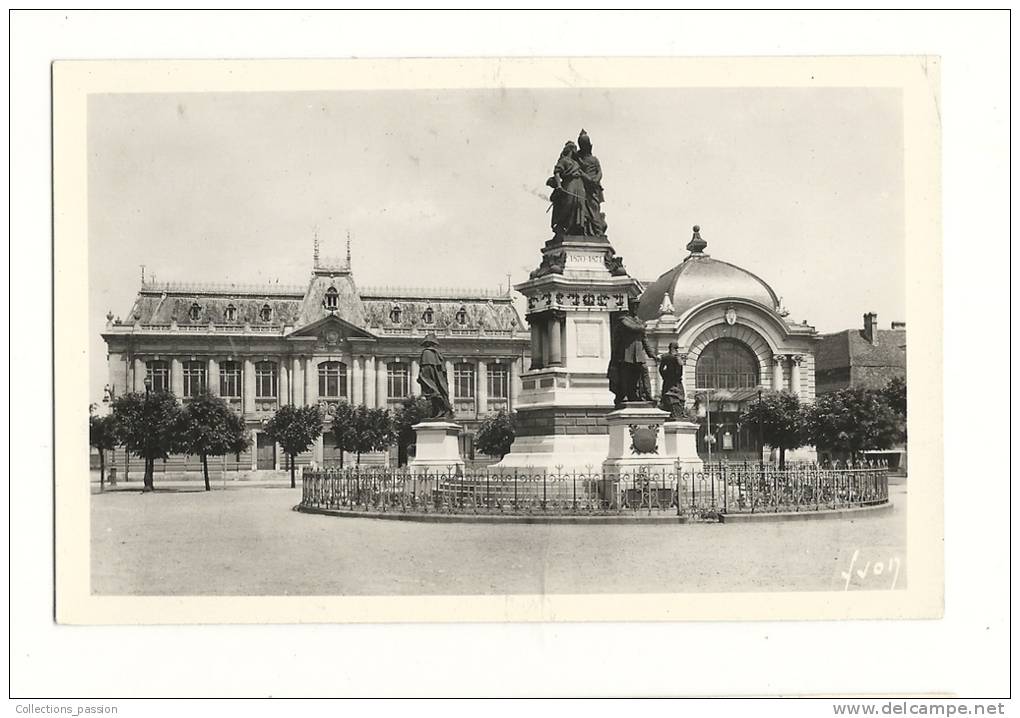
341, 456
292, 483
357, 459
147, 477
205, 471
102, 470
782, 458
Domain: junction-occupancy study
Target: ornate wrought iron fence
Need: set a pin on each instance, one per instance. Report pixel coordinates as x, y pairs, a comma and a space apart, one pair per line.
703, 495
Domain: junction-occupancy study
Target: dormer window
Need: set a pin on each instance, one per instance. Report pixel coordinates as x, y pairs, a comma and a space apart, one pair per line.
266, 313
461, 316
230, 313
428, 316
332, 300
195, 312
395, 314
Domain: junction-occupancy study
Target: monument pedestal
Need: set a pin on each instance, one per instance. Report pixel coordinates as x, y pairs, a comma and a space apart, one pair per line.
682, 443
437, 450
637, 441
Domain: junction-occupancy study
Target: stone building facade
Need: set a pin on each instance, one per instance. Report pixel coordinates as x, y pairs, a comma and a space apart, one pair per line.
866, 358
317, 344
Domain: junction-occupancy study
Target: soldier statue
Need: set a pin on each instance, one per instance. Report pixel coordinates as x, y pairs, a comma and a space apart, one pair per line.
432, 378
671, 369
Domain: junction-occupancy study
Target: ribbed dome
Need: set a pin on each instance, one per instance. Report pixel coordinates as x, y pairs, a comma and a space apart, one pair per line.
698, 279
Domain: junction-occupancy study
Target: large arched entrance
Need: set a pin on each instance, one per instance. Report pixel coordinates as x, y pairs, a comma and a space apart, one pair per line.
727, 376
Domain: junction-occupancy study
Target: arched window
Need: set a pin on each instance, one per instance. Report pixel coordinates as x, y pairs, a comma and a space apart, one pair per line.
265, 380
230, 313
727, 364
195, 312
428, 316
332, 380
157, 372
266, 313
332, 299
461, 316
395, 314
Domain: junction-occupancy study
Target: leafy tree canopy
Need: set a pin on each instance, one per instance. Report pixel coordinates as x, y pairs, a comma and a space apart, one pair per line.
103, 432
295, 428
848, 421
210, 427
148, 423
496, 434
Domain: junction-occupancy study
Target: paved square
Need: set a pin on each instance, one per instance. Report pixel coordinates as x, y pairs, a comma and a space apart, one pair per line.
246, 540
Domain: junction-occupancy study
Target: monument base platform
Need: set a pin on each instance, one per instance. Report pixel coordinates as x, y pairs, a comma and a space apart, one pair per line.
637, 440
436, 448
682, 444
555, 454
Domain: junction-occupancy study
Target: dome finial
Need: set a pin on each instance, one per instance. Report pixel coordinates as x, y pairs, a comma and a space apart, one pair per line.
697, 244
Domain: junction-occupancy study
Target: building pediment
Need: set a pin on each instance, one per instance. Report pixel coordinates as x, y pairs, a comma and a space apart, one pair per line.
331, 330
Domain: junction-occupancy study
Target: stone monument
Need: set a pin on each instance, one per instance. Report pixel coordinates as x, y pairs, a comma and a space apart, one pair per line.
437, 450
571, 296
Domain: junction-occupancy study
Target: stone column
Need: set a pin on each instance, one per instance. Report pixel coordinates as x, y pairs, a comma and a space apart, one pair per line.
537, 345
795, 361
415, 389
515, 382
482, 388
297, 381
177, 377
284, 384
777, 372
381, 394
357, 381
370, 383
449, 378
555, 341
212, 378
138, 380
249, 388
311, 385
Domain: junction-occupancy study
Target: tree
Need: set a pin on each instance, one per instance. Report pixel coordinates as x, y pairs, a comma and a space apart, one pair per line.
781, 419
372, 430
496, 434
209, 427
103, 436
345, 435
148, 426
848, 421
895, 394
295, 429
414, 410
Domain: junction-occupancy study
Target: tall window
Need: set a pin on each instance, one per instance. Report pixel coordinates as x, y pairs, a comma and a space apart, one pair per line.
332, 380
463, 381
398, 380
230, 380
195, 312
727, 364
428, 316
230, 313
265, 380
498, 381
194, 378
332, 299
157, 372
266, 313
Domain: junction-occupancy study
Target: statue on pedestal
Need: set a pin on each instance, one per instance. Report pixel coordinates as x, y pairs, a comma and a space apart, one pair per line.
432, 378
671, 369
577, 191
628, 373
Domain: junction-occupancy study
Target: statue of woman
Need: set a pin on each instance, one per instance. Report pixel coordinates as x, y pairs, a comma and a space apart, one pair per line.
568, 198
591, 177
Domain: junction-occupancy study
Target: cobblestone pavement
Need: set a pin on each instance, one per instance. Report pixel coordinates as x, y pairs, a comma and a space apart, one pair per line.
246, 540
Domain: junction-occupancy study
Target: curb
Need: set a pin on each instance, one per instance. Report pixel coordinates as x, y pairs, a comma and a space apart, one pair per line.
608, 520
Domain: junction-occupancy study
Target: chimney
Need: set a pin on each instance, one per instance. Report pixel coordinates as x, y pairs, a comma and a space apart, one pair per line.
870, 326
898, 326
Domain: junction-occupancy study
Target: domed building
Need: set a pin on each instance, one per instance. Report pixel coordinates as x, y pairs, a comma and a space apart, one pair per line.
735, 340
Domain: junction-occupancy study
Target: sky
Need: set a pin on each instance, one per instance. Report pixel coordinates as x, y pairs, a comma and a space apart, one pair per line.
803, 187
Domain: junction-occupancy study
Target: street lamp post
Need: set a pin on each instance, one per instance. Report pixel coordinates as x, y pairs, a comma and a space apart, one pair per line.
761, 437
